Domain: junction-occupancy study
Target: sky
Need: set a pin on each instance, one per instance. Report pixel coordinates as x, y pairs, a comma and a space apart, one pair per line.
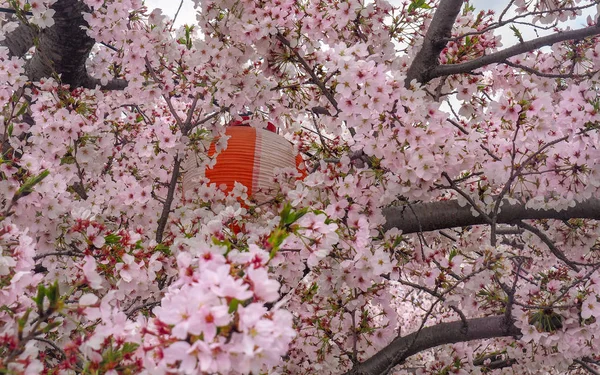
187, 14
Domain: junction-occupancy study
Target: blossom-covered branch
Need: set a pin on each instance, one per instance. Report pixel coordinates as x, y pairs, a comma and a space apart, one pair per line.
426, 65
445, 333
502, 55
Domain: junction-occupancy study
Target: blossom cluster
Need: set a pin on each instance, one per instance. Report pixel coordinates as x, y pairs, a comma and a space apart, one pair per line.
106, 266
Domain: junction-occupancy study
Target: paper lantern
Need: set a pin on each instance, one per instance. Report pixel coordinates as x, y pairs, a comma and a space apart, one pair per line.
251, 158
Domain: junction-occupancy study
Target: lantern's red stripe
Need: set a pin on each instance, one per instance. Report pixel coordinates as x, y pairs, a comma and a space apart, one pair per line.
258, 149
236, 162
300, 167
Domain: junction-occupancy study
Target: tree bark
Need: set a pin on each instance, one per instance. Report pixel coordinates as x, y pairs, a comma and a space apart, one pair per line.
426, 65
431, 216
440, 28
64, 47
20, 40
500, 56
61, 49
445, 333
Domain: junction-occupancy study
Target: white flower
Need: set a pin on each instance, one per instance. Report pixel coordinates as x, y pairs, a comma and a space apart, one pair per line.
6, 263
45, 19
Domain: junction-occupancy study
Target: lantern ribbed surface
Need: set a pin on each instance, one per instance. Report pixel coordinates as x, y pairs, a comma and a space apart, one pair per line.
251, 158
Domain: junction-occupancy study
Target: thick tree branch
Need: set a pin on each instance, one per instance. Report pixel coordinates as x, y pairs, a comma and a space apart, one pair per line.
61, 49
449, 214
435, 41
20, 40
502, 56
587, 367
430, 337
64, 47
115, 84
521, 16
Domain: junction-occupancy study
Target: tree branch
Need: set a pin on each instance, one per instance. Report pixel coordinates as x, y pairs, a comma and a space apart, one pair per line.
435, 41
309, 70
430, 337
547, 75
64, 47
115, 84
546, 240
20, 40
449, 214
501, 56
164, 216
587, 367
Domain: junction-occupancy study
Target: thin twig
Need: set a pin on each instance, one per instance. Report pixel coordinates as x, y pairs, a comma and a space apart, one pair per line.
59, 253
141, 307
467, 197
164, 217
542, 236
458, 126
586, 366
548, 75
176, 14
324, 90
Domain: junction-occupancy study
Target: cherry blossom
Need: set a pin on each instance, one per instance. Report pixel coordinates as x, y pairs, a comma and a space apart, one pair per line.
443, 218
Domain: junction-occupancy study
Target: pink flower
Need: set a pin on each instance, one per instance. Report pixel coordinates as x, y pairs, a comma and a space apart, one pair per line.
223, 285
264, 288
181, 352
128, 269
590, 307
92, 277
213, 357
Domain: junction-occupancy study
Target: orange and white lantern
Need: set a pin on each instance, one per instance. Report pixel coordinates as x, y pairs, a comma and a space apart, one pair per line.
251, 158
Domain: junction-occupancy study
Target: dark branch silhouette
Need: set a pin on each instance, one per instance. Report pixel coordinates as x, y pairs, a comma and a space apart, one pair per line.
445, 333
449, 214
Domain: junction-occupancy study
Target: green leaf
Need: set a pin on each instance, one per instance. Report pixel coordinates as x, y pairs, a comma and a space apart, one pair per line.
163, 249
129, 347
7, 310
51, 326
276, 239
453, 253
39, 299
298, 214
233, 305
112, 239
289, 216
225, 243
418, 4
22, 321
517, 33
285, 213
397, 241
22, 109
28, 185
53, 294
